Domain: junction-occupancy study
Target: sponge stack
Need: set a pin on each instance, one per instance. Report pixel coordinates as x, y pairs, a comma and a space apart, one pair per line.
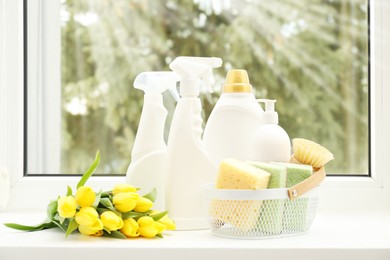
234, 174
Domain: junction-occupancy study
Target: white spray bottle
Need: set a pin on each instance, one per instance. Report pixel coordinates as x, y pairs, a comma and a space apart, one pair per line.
149, 154
271, 142
189, 166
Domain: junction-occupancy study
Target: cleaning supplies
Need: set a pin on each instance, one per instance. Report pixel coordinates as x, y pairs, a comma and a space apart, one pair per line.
270, 142
188, 166
234, 174
149, 155
4, 187
231, 125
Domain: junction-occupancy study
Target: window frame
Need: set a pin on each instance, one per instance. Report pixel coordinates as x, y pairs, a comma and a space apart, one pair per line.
370, 192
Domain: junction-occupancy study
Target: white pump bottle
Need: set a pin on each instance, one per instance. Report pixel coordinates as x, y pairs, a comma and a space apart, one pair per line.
149, 154
271, 142
234, 119
189, 166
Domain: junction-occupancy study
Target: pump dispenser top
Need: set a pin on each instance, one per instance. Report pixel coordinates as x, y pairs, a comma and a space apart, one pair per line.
149, 154
189, 165
270, 116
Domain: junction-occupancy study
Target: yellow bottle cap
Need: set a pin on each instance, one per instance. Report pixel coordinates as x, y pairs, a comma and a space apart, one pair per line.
237, 81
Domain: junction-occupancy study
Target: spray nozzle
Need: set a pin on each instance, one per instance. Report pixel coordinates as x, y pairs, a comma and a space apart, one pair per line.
192, 70
270, 116
157, 82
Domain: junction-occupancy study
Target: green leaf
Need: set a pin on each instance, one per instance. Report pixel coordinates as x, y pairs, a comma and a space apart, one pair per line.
52, 209
101, 210
105, 194
114, 234
97, 200
151, 195
69, 192
42, 226
62, 226
106, 202
158, 216
132, 214
71, 227
61, 219
159, 235
90, 171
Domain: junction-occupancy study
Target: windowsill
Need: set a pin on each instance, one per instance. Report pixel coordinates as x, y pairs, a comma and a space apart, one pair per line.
363, 236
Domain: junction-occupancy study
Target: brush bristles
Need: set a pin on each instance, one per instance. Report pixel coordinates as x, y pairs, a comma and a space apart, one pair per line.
308, 152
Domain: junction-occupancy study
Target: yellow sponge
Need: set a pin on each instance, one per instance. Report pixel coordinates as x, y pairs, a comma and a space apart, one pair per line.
234, 174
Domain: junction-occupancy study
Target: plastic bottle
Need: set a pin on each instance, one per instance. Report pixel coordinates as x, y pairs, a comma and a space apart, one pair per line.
149, 154
234, 120
271, 143
189, 166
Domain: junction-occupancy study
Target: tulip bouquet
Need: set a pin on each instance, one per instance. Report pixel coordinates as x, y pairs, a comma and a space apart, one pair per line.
119, 213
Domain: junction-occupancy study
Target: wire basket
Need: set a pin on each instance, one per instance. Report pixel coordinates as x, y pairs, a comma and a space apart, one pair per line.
260, 214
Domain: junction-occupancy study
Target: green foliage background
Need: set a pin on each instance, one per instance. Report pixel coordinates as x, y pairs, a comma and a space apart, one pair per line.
310, 55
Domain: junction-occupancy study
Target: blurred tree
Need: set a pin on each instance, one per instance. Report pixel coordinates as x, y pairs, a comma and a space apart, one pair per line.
310, 55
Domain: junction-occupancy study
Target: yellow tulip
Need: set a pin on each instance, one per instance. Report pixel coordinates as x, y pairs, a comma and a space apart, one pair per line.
123, 187
92, 230
66, 206
86, 216
160, 227
130, 228
85, 196
148, 227
143, 205
125, 201
111, 221
166, 220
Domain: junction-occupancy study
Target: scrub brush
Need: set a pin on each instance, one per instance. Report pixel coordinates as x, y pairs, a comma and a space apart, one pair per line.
309, 152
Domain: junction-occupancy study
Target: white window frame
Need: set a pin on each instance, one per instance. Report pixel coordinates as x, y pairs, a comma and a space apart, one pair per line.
44, 87
359, 193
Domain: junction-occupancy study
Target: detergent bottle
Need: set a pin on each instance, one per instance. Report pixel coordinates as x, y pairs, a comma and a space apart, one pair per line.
232, 124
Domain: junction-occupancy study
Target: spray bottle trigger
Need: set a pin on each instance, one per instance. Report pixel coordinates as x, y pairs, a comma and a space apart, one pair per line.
174, 93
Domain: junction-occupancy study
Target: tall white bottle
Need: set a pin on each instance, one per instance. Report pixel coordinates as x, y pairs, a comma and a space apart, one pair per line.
149, 154
232, 123
271, 142
189, 166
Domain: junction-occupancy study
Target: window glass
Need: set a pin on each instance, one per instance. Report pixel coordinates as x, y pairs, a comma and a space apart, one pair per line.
312, 56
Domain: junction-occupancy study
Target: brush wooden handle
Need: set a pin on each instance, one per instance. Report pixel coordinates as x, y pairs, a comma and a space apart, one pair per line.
310, 183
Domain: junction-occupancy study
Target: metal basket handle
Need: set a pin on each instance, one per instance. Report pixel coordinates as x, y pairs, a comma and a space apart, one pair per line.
308, 184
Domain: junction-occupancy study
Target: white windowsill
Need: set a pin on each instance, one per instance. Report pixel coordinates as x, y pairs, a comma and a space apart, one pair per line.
364, 236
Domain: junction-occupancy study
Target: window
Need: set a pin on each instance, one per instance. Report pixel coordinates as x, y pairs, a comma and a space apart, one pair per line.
360, 193
312, 56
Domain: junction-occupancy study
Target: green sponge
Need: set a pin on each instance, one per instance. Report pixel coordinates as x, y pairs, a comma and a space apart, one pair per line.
296, 211
271, 216
297, 173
